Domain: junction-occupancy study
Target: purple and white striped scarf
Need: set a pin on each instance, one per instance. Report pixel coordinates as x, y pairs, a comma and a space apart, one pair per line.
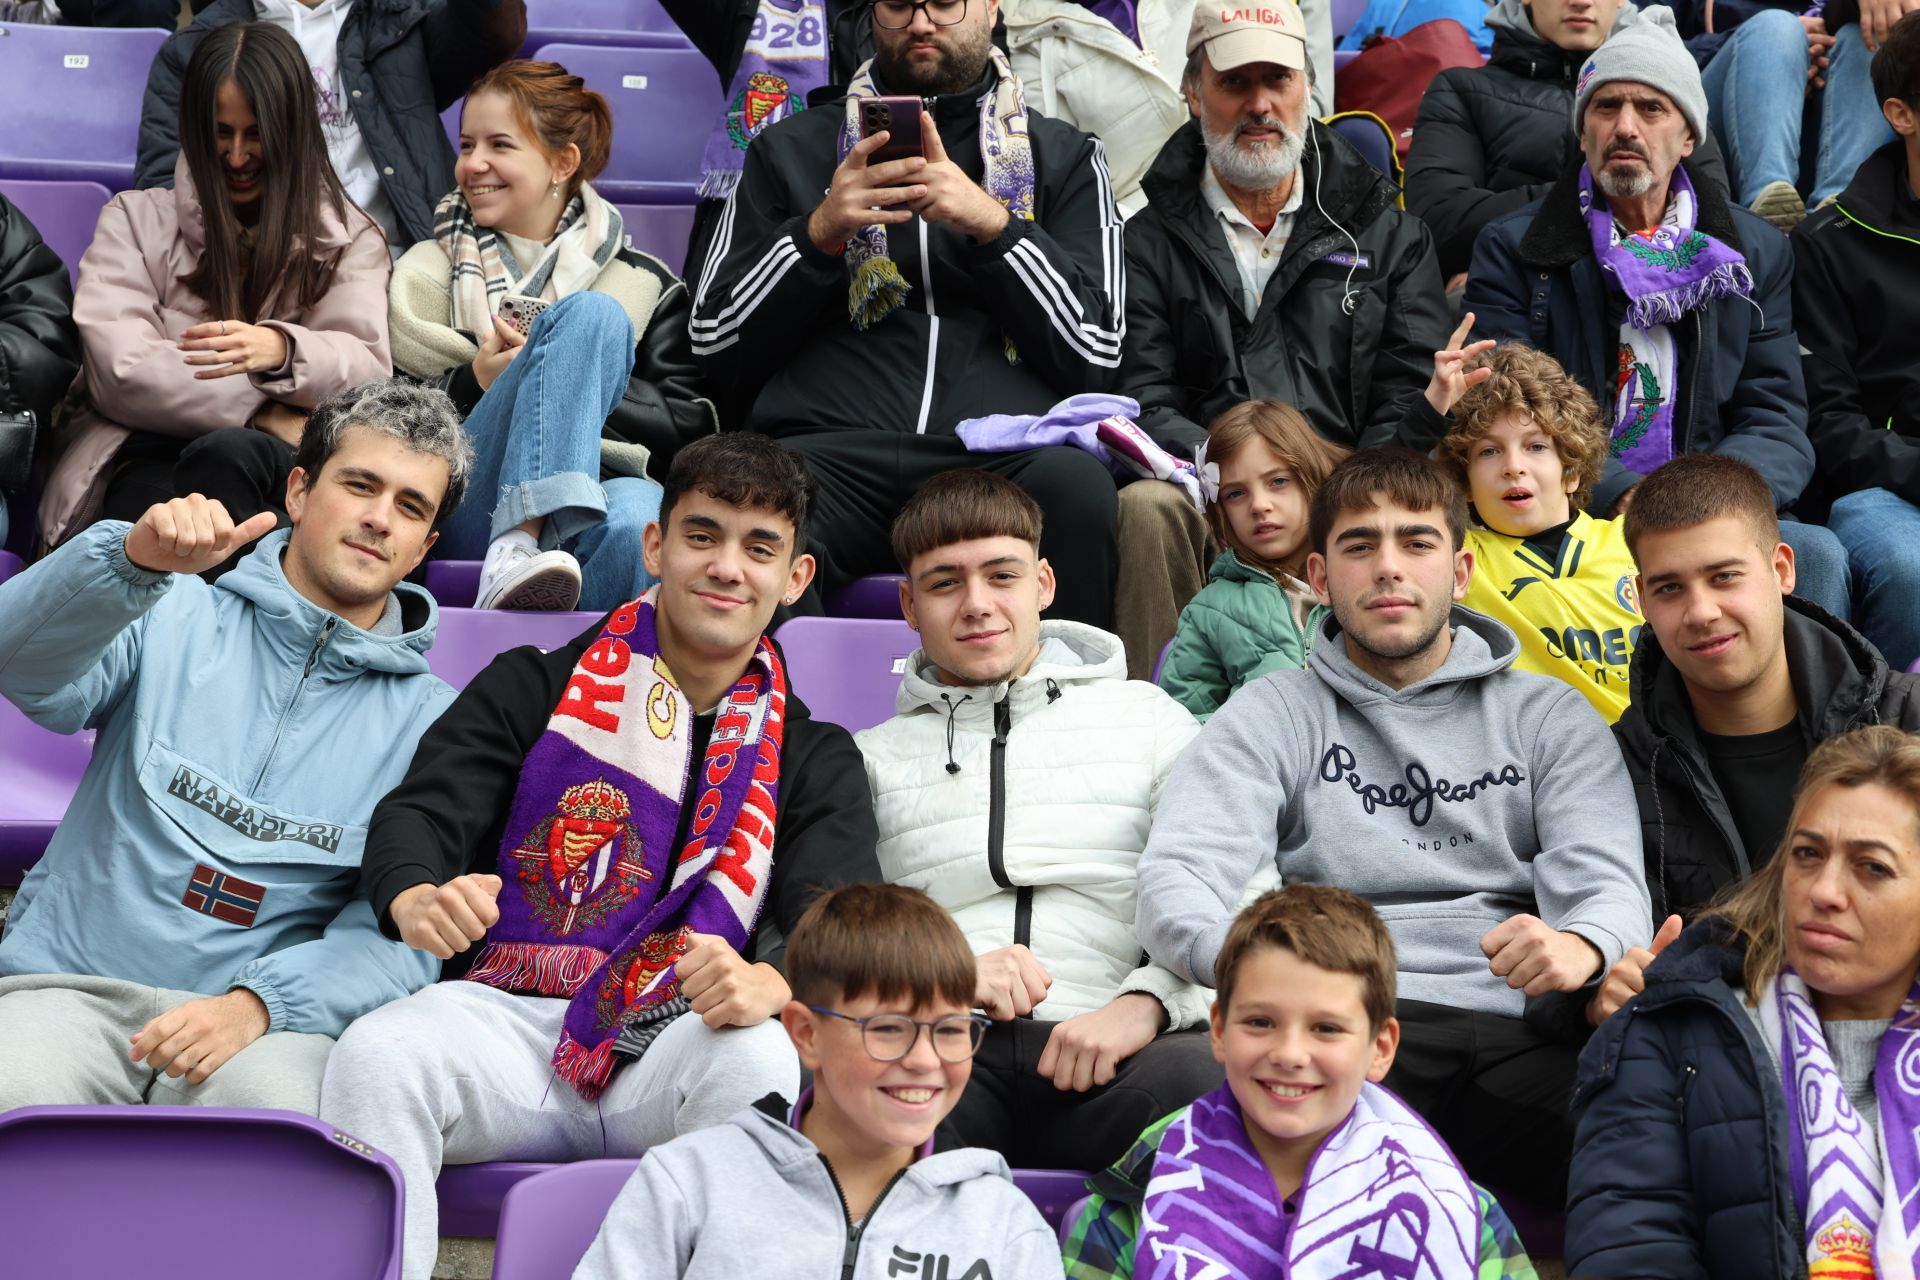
1383, 1196
1858, 1190
785, 60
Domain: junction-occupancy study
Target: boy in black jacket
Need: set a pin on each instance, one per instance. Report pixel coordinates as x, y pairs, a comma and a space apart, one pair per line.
1856, 302
647, 794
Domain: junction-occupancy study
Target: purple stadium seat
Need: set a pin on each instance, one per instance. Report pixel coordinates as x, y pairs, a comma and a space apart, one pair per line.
1345, 14
875, 596
65, 214
847, 670
1160, 661
664, 102
1053, 1191
71, 100
1341, 57
10, 564
450, 121
633, 24
194, 1193
548, 1221
662, 230
468, 639
470, 1195
39, 770
454, 583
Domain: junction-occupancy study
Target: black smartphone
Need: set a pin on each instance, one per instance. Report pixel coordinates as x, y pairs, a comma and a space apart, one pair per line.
900, 118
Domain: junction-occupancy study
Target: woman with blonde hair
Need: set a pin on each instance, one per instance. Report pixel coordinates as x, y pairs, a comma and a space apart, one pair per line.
1754, 1111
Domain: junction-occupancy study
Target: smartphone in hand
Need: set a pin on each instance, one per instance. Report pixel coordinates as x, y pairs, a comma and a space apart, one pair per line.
520, 311
900, 118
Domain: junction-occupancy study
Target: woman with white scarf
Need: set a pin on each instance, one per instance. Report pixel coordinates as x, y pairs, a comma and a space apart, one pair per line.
1755, 1110
569, 417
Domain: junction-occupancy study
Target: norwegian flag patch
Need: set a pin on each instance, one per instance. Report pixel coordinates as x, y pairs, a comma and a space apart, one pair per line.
224, 897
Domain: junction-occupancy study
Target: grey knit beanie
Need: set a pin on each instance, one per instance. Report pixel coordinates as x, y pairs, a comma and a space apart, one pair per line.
1651, 54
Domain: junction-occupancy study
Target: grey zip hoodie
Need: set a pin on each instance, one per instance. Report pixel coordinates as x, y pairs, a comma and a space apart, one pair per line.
752, 1199
1468, 797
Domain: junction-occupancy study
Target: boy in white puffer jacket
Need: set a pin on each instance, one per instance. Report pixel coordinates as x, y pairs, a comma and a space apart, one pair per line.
1016, 787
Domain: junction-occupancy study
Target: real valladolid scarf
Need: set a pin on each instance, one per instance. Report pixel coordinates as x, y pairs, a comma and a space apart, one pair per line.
1858, 1191
785, 60
1665, 272
597, 902
875, 285
1383, 1196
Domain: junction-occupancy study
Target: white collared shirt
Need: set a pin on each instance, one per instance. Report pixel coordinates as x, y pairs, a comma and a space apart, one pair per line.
1254, 252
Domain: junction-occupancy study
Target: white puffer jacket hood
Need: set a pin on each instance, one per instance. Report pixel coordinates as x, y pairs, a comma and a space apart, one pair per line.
1077, 755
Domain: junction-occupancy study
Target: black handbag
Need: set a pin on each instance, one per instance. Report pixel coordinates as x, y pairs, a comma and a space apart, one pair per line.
17, 429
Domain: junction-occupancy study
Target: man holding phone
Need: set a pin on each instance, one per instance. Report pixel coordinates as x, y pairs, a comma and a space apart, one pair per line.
981, 273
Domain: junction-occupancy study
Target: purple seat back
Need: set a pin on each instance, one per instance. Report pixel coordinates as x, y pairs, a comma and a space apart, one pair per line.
875, 596
847, 670
664, 103
548, 1221
10, 564
450, 121
454, 583
64, 213
71, 99
202, 1193
470, 1195
662, 230
39, 771
1053, 1191
468, 639
1345, 14
1341, 57
627, 23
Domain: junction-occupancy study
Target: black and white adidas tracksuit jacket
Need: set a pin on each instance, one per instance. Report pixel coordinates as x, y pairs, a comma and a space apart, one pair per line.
770, 310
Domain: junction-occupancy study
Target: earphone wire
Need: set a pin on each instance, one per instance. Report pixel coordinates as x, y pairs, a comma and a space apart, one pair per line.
1347, 294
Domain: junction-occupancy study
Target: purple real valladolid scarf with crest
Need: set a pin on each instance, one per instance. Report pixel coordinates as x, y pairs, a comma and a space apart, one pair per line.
596, 902
1383, 1197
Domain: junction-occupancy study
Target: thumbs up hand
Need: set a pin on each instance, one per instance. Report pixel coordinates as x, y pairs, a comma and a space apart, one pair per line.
1628, 977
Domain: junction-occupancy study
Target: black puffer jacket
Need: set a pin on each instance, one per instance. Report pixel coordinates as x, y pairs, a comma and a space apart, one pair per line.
39, 346
1490, 139
403, 61
1680, 1166
1191, 352
1693, 847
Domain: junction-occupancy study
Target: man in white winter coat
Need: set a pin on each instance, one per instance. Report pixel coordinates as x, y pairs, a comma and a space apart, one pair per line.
1016, 787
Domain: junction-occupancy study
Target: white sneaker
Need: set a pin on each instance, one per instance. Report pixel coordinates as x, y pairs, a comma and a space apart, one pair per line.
530, 580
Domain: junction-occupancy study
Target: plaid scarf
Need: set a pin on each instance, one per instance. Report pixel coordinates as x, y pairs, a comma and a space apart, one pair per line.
1383, 1196
588, 235
1664, 272
785, 60
875, 286
597, 903
1858, 1191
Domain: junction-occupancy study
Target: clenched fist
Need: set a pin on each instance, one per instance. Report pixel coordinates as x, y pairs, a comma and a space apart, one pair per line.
446, 918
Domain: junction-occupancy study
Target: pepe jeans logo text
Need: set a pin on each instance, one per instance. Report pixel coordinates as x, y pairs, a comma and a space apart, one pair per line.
1419, 792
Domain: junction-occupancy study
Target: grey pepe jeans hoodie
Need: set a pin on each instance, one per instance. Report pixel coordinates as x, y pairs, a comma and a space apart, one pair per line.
753, 1198
1456, 802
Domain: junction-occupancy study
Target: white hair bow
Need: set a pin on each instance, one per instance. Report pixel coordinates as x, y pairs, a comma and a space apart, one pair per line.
1209, 474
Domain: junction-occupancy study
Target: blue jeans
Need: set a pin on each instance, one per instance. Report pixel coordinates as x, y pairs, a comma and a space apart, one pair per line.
1820, 566
1754, 111
1881, 532
536, 452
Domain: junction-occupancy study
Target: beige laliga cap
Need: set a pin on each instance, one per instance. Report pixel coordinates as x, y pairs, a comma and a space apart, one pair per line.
1235, 35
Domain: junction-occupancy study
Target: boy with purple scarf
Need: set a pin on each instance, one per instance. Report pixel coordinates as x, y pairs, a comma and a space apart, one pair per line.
1301, 1166
611, 821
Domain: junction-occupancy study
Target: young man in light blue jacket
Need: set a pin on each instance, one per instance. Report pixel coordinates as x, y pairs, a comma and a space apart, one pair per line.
195, 932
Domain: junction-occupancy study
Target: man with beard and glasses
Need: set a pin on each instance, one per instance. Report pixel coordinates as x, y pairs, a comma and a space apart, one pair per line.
1671, 306
1271, 264
866, 308
1477, 806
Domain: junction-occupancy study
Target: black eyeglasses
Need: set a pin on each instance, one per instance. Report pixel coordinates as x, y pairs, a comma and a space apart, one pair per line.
889, 1037
895, 15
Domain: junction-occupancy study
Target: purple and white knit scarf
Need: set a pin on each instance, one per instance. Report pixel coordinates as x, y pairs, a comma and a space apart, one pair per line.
785, 60
1858, 1190
1664, 272
1383, 1196
597, 903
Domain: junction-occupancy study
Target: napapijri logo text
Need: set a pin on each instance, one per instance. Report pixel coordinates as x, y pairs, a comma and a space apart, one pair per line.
247, 820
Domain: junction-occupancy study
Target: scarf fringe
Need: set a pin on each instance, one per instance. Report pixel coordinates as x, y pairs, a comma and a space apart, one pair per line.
1669, 305
587, 1070
878, 288
549, 970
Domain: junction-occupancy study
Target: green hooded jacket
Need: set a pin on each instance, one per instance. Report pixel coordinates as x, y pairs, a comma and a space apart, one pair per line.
1241, 626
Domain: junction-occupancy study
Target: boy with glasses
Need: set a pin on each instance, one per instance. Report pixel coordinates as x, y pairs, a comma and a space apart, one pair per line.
847, 1178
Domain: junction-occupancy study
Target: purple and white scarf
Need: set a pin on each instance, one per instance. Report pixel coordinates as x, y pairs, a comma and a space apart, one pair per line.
1664, 272
785, 60
875, 286
597, 903
1858, 1190
1093, 422
1383, 1196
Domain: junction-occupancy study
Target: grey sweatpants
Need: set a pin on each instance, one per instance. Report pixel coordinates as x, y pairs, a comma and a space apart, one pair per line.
65, 1040
460, 1073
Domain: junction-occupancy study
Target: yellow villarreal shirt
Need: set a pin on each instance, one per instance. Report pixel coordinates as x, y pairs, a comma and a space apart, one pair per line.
1577, 616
